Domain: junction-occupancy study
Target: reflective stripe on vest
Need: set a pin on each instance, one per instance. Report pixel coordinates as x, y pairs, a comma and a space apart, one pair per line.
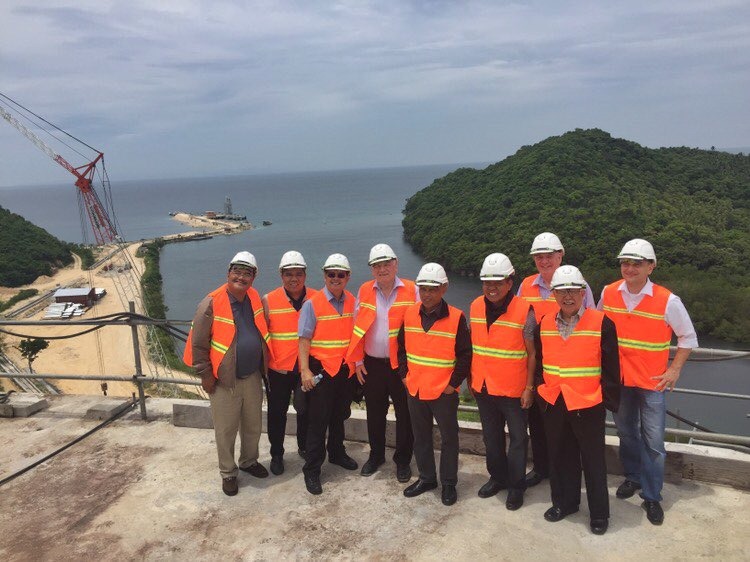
642, 334
222, 328
333, 332
573, 366
499, 357
431, 355
405, 297
533, 295
283, 323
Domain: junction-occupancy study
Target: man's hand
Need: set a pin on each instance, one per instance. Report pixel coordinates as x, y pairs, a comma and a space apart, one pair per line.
306, 379
449, 390
208, 382
527, 398
668, 379
361, 373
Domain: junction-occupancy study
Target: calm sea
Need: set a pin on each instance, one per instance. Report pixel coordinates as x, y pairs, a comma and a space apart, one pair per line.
316, 213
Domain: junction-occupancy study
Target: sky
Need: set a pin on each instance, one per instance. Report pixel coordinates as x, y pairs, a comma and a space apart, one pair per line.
183, 88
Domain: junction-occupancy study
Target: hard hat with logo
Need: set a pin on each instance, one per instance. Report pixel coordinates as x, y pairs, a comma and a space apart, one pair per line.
567, 277
292, 259
337, 261
637, 249
496, 267
245, 259
432, 275
546, 243
381, 252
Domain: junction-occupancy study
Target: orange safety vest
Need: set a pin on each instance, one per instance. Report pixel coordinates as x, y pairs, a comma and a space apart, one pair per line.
283, 322
405, 297
332, 332
642, 334
431, 355
223, 330
499, 357
573, 366
532, 294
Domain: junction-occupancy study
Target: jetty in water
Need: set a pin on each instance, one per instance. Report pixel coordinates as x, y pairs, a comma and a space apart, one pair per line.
151, 490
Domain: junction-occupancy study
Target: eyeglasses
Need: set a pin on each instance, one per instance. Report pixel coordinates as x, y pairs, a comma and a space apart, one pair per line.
568, 291
634, 263
243, 272
333, 274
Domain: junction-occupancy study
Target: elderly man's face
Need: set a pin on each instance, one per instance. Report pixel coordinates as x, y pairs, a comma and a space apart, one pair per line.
569, 300
431, 296
547, 263
240, 278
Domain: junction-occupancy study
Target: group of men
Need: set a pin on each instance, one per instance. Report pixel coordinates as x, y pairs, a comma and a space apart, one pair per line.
545, 358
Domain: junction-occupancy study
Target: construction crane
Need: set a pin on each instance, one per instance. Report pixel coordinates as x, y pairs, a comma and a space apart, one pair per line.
101, 224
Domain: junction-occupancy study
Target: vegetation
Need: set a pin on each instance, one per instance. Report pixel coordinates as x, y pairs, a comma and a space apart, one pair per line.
85, 253
596, 192
28, 251
153, 300
30, 349
22, 295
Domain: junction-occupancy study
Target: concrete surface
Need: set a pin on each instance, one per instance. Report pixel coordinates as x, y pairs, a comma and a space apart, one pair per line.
22, 405
106, 409
195, 414
151, 491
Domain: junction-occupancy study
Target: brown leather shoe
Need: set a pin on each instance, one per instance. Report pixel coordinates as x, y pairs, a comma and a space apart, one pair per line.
229, 486
256, 469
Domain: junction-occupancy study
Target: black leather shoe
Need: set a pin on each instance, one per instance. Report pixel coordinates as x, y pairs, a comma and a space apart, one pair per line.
449, 495
490, 488
312, 483
555, 514
419, 487
599, 526
277, 465
344, 461
514, 500
371, 466
256, 469
627, 489
533, 478
229, 485
654, 512
403, 472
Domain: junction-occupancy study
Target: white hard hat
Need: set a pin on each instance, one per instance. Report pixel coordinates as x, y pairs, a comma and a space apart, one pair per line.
337, 261
292, 259
546, 243
496, 267
381, 252
244, 258
567, 277
637, 249
432, 275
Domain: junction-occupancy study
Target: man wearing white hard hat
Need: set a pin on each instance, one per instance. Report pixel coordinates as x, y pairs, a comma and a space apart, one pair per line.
282, 306
502, 376
646, 316
547, 252
227, 346
324, 330
577, 354
434, 358
381, 304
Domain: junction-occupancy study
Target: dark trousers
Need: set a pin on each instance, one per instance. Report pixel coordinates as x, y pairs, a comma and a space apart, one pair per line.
445, 412
576, 438
538, 439
381, 382
494, 411
327, 407
280, 389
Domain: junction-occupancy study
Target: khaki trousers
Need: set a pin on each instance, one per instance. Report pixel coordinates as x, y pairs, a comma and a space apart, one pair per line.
234, 409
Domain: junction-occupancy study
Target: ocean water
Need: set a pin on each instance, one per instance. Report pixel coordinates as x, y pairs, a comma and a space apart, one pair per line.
316, 213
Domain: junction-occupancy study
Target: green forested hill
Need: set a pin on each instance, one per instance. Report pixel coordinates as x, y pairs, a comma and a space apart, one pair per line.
27, 251
596, 192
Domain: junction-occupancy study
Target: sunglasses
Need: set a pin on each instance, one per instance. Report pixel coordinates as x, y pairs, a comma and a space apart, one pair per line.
333, 274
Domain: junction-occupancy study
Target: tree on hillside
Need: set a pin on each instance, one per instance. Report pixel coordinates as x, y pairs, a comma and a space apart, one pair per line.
30, 348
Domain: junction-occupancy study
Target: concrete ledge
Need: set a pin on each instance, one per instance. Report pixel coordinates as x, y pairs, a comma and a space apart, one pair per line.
22, 405
105, 410
196, 414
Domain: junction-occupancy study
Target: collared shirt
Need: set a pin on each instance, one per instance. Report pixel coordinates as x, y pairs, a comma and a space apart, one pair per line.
493, 311
545, 291
249, 346
376, 337
566, 327
297, 303
307, 319
676, 315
